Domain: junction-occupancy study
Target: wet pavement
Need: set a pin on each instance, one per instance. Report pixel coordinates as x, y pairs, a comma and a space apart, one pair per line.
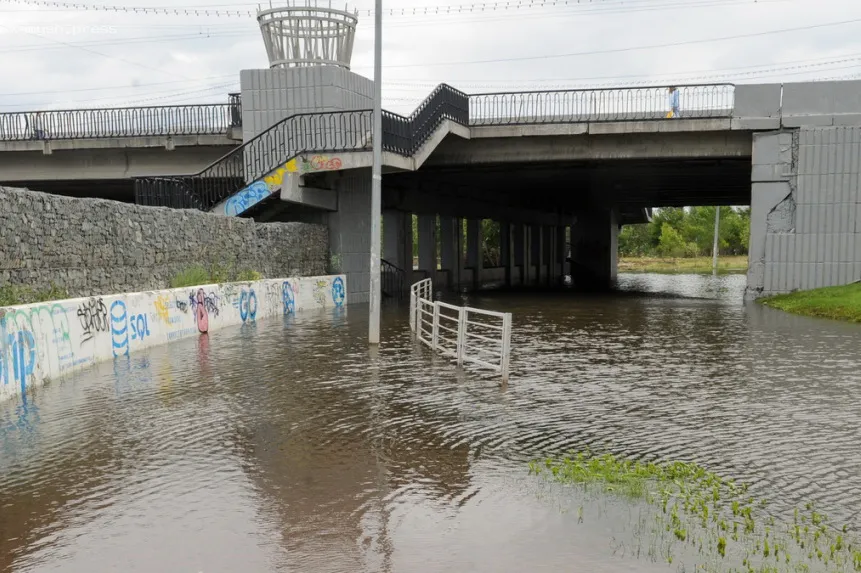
265, 448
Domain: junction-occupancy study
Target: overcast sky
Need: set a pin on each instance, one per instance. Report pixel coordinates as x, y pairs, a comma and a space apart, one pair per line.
67, 58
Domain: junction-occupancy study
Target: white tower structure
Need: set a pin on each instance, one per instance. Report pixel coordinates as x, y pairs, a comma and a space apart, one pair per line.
308, 35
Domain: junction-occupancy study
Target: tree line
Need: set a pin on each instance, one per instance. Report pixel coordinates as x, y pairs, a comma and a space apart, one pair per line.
687, 232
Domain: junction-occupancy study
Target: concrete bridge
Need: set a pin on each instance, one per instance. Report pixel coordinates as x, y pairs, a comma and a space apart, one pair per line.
552, 168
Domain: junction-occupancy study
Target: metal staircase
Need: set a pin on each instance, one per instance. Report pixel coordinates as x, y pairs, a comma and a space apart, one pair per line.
330, 132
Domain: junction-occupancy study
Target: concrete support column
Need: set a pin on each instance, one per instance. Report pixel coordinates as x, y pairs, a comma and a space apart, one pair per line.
427, 245
506, 252
350, 234
528, 258
398, 240
518, 248
537, 250
448, 249
559, 258
595, 245
549, 249
475, 250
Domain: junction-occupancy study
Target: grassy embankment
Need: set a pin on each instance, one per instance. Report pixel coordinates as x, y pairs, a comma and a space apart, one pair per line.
839, 303
727, 264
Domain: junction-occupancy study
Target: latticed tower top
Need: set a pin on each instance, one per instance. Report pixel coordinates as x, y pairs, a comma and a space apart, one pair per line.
309, 35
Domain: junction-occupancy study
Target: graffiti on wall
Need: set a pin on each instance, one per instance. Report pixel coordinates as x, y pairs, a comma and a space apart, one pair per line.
94, 318
246, 198
288, 298
162, 308
248, 305
22, 331
249, 196
119, 328
202, 305
339, 293
43, 341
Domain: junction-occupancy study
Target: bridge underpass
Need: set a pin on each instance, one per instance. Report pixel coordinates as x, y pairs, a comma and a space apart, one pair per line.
546, 165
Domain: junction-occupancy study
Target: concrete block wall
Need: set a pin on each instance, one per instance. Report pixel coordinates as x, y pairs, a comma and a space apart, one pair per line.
45, 341
268, 96
350, 233
94, 246
805, 210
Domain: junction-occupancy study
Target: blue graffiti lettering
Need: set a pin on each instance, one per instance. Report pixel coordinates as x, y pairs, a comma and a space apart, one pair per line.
23, 347
246, 198
338, 292
248, 305
288, 299
120, 328
140, 327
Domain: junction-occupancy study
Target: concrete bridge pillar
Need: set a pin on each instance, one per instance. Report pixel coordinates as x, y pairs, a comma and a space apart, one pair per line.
518, 252
559, 255
594, 248
350, 234
536, 248
427, 245
549, 239
451, 247
398, 240
475, 250
506, 251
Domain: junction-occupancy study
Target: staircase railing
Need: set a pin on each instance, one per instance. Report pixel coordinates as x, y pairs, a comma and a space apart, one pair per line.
392, 280
304, 133
330, 132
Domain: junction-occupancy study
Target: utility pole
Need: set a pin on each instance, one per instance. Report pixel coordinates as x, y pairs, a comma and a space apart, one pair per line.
376, 179
715, 247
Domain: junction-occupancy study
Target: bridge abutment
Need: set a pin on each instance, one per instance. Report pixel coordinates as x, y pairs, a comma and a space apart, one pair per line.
805, 229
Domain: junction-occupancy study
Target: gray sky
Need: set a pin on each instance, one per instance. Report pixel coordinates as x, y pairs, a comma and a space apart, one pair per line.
54, 58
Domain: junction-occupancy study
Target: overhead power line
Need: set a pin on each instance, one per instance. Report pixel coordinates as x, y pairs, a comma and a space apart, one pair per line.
513, 6
629, 48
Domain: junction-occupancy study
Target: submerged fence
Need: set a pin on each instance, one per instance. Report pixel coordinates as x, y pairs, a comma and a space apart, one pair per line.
480, 337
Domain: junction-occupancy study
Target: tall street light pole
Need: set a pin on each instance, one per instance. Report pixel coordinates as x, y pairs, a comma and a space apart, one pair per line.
376, 178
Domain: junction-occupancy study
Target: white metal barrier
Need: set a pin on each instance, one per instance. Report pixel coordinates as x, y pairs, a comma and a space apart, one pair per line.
482, 337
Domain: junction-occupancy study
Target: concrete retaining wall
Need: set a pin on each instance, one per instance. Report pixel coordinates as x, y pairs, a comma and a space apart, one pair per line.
44, 341
92, 246
805, 210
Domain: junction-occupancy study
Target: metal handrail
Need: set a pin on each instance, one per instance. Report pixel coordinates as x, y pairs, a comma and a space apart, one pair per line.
448, 329
198, 119
329, 132
393, 279
699, 101
404, 135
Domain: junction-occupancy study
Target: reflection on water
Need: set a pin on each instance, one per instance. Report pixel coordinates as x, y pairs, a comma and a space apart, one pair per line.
265, 448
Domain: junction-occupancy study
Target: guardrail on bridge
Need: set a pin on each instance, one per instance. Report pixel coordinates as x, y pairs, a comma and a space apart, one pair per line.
480, 337
202, 119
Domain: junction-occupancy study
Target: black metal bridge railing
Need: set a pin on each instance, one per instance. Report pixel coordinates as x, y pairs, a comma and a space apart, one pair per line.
200, 119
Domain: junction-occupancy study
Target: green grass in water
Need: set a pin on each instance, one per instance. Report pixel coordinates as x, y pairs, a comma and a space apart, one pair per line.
840, 302
730, 530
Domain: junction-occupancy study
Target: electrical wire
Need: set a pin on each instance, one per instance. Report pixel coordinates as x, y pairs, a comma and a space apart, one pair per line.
577, 6
629, 48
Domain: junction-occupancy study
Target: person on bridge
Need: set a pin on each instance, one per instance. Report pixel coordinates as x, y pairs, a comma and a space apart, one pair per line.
674, 102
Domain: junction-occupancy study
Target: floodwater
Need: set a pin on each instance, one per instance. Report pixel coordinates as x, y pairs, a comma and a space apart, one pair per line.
265, 448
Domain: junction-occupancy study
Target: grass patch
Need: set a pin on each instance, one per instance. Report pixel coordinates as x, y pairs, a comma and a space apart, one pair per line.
839, 302
702, 514
728, 264
214, 274
12, 295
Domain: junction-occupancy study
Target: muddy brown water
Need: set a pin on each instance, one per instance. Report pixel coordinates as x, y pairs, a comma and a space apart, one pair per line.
265, 448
